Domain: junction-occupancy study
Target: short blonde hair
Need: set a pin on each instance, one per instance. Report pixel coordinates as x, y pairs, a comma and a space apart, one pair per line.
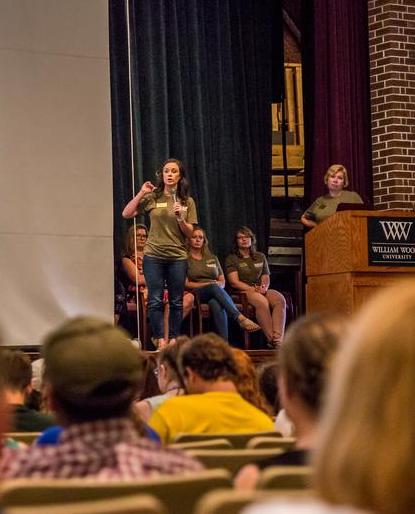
366, 446
336, 168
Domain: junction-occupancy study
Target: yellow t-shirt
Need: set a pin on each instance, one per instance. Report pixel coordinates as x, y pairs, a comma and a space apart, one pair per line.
208, 413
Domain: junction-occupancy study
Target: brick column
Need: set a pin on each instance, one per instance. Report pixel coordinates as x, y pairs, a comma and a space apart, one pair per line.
392, 91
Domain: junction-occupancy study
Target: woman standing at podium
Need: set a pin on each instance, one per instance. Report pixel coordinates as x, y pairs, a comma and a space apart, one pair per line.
336, 179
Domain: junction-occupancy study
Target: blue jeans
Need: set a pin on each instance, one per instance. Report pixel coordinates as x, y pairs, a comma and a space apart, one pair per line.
160, 273
221, 306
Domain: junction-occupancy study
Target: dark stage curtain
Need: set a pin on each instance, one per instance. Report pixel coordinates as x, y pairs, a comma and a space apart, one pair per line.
336, 93
202, 86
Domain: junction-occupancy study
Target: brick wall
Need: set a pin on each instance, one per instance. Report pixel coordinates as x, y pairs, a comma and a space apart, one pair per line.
392, 90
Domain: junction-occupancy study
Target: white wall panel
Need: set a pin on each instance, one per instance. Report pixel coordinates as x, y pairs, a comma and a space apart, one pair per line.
55, 156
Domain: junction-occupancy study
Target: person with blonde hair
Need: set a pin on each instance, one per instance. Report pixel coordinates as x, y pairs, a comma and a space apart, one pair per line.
206, 279
364, 456
336, 179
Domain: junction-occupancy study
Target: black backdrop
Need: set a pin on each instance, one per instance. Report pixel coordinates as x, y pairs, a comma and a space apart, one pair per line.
203, 74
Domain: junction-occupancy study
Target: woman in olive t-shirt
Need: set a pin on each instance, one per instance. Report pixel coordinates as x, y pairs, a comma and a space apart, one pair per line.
172, 214
205, 278
247, 271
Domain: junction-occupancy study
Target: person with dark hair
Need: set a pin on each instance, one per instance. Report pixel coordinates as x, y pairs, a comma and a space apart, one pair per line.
305, 359
4, 410
205, 277
267, 381
17, 382
91, 392
212, 404
172, 216
132, 269
247, 271
169, 379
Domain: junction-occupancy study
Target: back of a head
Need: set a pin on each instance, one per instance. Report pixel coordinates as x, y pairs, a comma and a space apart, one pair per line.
210, 357
246, 381
267, 381
93, 369
304, 358
16, 370
366, 447
169, 357
4, 411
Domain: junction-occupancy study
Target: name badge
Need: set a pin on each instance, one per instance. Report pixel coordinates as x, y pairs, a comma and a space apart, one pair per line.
258, 264
243, 265
212, 265
161, 204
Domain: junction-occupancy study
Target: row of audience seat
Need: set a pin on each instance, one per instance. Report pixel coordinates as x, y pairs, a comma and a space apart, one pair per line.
177, 495
223, 455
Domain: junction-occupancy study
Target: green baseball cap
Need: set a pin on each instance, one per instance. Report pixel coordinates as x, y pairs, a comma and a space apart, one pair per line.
88, 358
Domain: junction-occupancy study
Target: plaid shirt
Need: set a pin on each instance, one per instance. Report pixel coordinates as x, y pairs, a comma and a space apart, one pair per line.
108, 449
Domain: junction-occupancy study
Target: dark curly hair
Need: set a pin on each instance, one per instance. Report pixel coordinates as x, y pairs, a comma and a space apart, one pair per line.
210, 357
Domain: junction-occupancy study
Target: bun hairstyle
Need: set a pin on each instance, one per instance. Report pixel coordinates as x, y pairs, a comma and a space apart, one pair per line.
182, 186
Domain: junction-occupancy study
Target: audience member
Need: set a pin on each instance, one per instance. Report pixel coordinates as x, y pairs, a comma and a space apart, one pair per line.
92, 374
267, 382
247, 271
213, 404
4, 411
247, 380
17, 377
168, 378
304, 359
364, 455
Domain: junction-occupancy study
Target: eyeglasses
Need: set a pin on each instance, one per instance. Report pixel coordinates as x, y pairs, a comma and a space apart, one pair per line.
243, 237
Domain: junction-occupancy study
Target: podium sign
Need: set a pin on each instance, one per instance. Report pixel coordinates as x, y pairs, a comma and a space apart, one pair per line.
352, 254
391, 241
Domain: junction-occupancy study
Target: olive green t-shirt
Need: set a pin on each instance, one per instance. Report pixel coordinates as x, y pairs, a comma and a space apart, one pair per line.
205, 269
165, 239
249, 268
326, 205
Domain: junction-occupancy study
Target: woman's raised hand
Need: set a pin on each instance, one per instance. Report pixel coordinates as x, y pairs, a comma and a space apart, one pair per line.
147, 187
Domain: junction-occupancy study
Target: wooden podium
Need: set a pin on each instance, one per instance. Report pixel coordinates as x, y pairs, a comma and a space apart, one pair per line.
339, 277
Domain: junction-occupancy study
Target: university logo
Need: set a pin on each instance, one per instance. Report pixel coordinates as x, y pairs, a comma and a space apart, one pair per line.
396, 230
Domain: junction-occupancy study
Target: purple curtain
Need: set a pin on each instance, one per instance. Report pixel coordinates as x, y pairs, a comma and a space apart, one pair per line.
336, 93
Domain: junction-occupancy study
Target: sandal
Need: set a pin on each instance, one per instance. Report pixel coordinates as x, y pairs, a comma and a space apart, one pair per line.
273, 344
247, 324
158, 342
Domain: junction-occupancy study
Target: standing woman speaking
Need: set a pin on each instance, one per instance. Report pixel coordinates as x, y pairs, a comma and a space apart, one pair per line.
172, 216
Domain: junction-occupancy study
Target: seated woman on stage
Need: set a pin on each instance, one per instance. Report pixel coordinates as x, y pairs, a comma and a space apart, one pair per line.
205, 277
132, 263
247, 271
336, 179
